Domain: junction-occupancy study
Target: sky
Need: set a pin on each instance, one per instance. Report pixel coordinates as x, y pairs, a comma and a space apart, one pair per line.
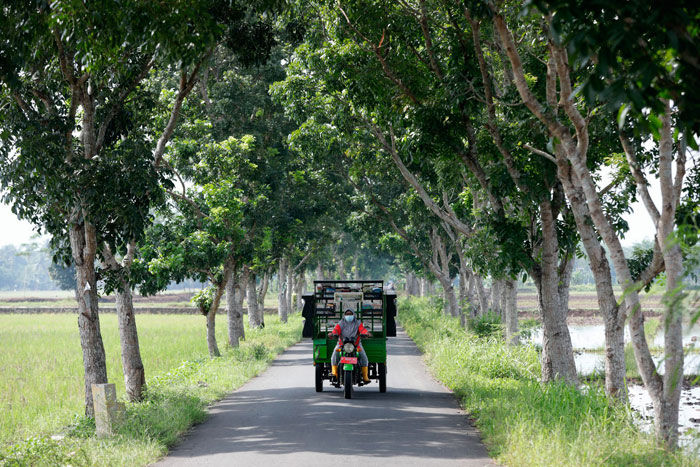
12, 230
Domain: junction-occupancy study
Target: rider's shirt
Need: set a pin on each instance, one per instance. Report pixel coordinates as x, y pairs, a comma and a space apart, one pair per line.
349, 330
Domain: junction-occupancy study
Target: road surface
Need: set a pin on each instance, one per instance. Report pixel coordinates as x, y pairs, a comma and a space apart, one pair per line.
277, 419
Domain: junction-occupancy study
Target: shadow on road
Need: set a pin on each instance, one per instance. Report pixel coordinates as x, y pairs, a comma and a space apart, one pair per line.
280, 413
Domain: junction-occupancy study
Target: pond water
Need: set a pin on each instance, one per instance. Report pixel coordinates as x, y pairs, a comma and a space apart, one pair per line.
589, 340
688, 416
592, 336
589, 337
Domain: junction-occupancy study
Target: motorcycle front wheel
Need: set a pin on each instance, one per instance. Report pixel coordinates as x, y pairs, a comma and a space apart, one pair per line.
347, 384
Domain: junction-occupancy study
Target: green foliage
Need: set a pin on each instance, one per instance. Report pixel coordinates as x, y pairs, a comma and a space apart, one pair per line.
638, 262
487, 325
522, 421
636, 53
203, 299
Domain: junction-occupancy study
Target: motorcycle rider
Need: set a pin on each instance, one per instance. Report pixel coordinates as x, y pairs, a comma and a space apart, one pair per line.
350, 328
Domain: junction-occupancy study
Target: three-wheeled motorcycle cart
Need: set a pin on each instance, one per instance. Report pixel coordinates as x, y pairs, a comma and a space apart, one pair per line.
323, 309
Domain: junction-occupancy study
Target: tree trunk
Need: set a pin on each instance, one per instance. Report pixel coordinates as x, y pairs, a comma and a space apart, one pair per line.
299, 284
254, 315
132, 365
511, 311
497, 286
211, 335
211, 315
557, 352
341, 269
263, 290
481, 294
83, 244
465, 282
290, 288
319, 272
282, 293
412, 285
613, 316
236, 329
673, 341
134, 373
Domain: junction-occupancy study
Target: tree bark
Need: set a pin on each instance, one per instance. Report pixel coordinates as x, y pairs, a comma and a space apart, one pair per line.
134, 373
236, 329
282, 293
289, 288
412, 285
252, 299
132, 365
673, 298
557, 352
497, 296
481, 294
511, 311
341, 269
299, 284
264, 284
211, 313
83, 247
211, 335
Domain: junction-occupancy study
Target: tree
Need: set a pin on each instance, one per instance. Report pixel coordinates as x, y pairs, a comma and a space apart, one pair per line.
571, 148
76, 69
392, 79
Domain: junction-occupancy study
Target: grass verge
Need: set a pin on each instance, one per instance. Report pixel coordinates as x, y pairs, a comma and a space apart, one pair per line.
522, 421
176, 398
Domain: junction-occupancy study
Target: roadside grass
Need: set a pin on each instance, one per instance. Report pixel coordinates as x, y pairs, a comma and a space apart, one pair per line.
522, 421
41, 389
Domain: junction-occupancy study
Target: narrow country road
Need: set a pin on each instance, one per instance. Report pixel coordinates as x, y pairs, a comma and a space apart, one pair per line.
277, 419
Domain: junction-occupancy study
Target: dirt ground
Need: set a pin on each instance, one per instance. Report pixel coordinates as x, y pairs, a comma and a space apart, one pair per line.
583, 307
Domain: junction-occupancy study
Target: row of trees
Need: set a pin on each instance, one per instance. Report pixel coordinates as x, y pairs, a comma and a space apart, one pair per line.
29, 267
142, 138
228, 142
502, 119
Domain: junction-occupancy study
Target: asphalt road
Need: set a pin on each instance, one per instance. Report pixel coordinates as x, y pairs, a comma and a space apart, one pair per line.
277, 419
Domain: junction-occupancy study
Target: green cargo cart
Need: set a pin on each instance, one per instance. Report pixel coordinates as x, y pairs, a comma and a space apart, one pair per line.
374, 307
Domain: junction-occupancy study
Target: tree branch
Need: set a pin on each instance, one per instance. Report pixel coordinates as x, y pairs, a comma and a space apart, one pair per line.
639, 178
413, 181
539, 152
186, 85
119, 101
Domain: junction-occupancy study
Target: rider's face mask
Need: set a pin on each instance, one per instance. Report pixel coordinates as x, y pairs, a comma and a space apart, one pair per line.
349, 318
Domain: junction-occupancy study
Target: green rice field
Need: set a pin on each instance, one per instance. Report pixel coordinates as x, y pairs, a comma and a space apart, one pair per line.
41, 369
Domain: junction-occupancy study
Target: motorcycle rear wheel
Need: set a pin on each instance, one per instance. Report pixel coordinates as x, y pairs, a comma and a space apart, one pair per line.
381, 373
347, 384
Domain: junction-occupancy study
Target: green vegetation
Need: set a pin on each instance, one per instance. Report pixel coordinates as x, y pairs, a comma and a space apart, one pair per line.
522, 421
41, 391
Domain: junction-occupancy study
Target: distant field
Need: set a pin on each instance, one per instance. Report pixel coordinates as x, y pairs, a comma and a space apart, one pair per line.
527, 301
41, 370
65, 299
